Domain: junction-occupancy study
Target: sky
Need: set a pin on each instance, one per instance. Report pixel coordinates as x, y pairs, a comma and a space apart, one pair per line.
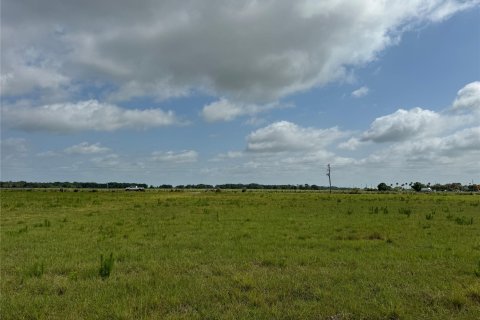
187, 92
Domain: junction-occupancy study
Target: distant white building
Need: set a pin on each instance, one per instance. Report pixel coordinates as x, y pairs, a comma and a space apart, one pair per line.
134, 188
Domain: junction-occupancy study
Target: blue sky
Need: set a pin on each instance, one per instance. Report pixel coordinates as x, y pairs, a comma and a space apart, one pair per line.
241, 91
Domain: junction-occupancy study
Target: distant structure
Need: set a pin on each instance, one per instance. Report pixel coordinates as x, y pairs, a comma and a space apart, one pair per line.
134, 188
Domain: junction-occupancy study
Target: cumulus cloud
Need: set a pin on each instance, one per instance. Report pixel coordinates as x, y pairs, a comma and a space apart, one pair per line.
86, 148
461, 146
248, 51
401, 125
286, 136
27, 78
351, 144
360, 92
468, 98
185, 156
84, 115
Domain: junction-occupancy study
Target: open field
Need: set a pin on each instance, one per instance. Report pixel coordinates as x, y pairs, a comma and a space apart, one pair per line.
234, 255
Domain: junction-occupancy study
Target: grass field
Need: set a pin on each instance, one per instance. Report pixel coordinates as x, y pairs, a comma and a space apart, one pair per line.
234, 255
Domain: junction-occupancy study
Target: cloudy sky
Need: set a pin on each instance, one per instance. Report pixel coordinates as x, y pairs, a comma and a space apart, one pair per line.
217, 92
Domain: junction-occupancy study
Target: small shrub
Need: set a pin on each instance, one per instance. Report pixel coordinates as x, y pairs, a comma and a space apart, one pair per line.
385, 210
429, 216
106, 266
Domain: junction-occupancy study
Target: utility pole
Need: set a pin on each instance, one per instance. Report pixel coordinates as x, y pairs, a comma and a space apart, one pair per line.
329, 179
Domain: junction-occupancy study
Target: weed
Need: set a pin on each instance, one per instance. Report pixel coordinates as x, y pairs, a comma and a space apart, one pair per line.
474, 296
464, 221
22, 230
477, 271
106, 266
45, 223
405, 211
429, 216
393, 316
456, 303
375, 236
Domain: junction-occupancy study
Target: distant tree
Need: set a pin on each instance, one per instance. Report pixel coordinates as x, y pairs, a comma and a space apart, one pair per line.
383, 187
417, 186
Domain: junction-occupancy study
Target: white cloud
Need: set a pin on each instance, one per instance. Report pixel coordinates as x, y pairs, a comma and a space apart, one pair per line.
401, 125
225, 110
86, 148
468, 98
185, 156
460, 148
27, 78
84, 115
248, 51
351, 144
221, 110
360, 92
286, 136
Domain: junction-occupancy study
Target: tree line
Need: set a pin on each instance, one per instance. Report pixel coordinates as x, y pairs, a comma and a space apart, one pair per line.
417, 186
121, 185
73, 185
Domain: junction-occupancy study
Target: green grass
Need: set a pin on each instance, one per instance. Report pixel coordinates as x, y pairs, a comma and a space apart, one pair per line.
234, 255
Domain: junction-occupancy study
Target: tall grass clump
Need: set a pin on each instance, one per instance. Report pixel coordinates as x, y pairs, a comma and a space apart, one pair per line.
464, 221
477, 271
405, 211
36, 270
106, 266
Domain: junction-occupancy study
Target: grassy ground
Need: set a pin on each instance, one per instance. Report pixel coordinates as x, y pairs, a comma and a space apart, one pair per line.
234, 255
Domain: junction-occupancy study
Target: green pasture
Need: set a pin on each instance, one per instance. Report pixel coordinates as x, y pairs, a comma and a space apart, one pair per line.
238, 255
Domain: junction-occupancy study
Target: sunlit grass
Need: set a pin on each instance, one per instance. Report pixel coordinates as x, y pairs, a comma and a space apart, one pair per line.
230, 255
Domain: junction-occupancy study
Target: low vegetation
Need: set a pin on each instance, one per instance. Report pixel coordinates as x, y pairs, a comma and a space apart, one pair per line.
238, 255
